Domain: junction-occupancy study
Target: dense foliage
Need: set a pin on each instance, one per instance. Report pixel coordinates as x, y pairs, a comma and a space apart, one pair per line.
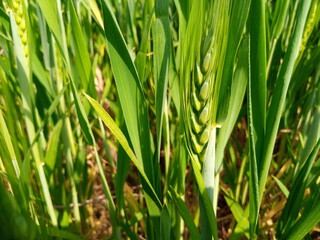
159, 119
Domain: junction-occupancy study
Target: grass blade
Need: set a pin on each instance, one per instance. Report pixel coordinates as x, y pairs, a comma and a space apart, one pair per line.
239, 15
7, 142
132, 102
310, 217
278, 99
49, 10
162, 42
82, 56
238, 91
51, 154
108, 121
293, 204
165, 223
253, 164
184, 212
257, 30
83, 120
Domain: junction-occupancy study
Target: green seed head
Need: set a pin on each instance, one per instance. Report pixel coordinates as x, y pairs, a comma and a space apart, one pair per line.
16, 7
203, 67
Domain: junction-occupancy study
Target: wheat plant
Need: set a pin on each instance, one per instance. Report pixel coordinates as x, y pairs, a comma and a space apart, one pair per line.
159, 119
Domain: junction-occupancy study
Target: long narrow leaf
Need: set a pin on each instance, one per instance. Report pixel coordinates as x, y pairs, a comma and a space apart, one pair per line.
253, 164
132, 100
162, 42
184, 212
278, 99
293, 204
125, 144
239, 15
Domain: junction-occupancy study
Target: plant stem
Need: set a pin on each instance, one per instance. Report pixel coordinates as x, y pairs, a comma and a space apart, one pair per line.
208, 177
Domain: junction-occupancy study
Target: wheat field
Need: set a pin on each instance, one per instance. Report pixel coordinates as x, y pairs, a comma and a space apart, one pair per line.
159, 119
